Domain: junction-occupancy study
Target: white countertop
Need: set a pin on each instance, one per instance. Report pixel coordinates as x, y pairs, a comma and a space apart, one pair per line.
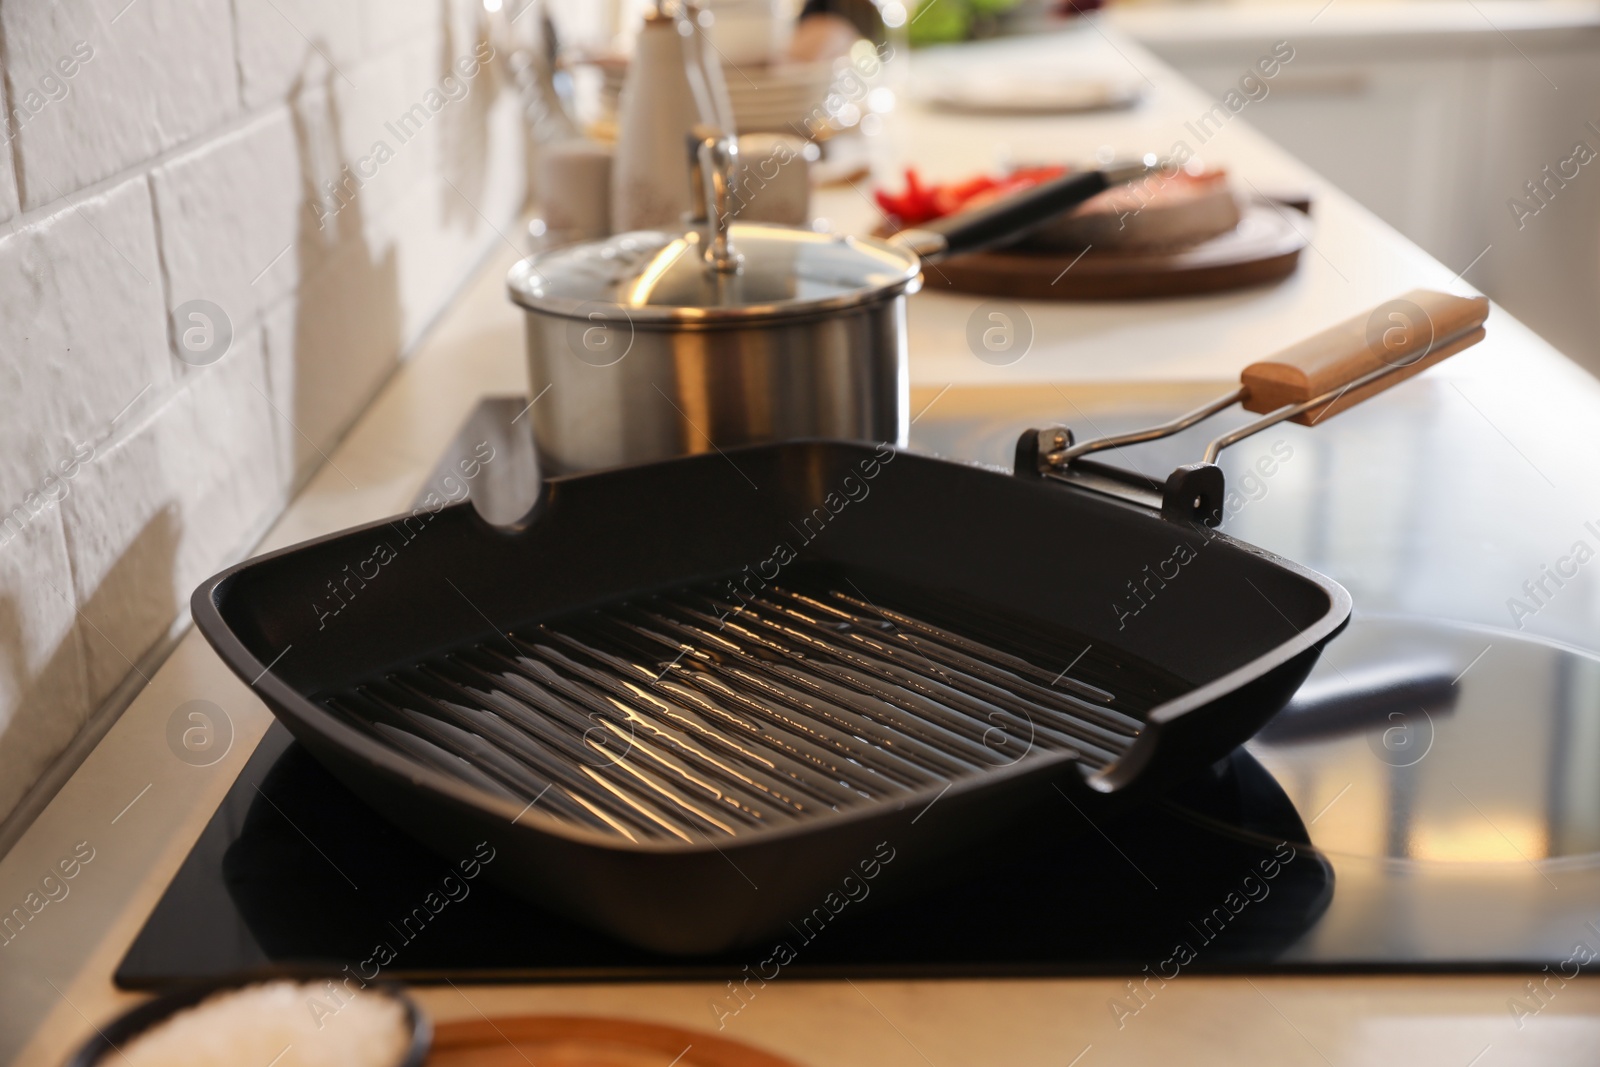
1355, 261
1398, 24
140, 809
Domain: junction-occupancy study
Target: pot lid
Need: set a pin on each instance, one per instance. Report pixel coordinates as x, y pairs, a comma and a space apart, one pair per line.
652, 276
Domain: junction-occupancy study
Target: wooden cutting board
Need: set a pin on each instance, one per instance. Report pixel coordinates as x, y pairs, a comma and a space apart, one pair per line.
583, 1041
1265, 247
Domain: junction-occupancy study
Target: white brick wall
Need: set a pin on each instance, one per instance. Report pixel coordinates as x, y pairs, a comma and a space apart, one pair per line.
43, 685
8, 179
159, 75
166, 151
229, 213
279, 40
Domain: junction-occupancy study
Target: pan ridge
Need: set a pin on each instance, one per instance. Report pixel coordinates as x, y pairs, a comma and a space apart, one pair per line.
700, 713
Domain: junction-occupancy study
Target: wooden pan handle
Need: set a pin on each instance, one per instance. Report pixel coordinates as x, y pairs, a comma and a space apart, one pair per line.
1410, 333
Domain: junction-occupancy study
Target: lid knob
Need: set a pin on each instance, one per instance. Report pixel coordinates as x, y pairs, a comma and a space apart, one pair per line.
713, 155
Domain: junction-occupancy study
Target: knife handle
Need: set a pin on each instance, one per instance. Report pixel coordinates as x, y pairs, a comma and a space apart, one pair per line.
1408, 334
1012, 217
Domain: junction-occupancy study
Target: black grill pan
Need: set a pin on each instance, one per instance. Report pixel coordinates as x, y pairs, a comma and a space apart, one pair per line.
685, 702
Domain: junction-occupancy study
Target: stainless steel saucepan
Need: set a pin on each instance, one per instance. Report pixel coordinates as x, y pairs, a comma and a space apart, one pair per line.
655, 344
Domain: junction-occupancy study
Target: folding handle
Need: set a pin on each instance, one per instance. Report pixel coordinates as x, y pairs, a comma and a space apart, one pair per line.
1306, 382
1387, 345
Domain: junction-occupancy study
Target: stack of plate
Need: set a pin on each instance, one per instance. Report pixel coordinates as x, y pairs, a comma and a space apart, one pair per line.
777, 97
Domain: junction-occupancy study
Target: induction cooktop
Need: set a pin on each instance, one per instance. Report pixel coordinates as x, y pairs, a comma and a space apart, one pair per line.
1430, 801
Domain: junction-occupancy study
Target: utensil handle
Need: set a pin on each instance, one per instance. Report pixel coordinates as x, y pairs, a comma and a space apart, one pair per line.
1390, 343
713, 156
1013, 216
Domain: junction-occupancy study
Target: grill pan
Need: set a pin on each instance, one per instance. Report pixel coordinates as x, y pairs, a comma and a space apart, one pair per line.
695, 701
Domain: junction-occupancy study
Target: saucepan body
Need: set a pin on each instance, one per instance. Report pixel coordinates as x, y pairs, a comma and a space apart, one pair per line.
615, 391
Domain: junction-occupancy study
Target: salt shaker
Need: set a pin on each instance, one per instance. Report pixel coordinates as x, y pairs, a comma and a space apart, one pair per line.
574, 192
772, 178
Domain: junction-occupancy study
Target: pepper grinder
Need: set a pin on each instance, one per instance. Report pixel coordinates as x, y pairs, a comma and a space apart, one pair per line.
711, 69
663, 97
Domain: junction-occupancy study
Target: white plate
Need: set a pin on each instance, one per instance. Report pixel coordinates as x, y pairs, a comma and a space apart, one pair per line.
1032, 92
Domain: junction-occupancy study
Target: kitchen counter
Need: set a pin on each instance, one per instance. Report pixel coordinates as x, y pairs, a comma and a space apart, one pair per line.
1433, 114
1401, 25
1464, 484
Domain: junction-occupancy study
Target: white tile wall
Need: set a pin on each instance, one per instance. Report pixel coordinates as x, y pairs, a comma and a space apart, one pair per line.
43, 701
329, 348
230, 213
121, 528
154, 514
361, 121
150, 75
8, 177
180, 153
283, 41
82, 331
386, 23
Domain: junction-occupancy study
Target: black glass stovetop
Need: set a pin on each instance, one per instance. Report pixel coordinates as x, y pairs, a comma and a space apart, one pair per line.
1431, 801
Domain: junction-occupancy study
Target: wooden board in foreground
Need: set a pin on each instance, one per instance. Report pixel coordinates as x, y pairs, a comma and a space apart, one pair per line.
1265, 247
584, 1041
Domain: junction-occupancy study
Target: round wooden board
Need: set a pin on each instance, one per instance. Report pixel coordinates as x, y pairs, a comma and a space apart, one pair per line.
586, 1041
1263, 248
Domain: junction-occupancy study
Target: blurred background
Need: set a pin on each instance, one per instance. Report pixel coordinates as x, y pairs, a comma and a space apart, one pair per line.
1455, 121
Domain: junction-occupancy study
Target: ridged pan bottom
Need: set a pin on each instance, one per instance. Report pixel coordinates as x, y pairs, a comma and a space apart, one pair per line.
709, 712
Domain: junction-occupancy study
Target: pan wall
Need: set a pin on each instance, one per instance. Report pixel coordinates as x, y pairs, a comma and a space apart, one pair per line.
1063, 557
1179, 597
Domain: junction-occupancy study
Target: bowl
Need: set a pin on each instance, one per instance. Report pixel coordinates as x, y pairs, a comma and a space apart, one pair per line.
113, 1036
